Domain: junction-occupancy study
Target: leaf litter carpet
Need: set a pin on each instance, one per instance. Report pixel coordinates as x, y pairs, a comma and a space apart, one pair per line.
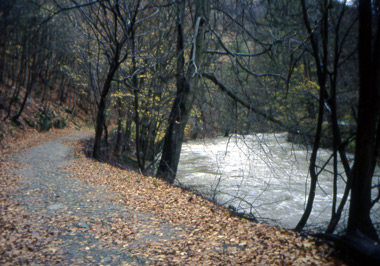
60, 208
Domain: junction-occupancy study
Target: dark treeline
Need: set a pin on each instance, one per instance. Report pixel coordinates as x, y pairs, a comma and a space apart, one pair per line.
35, 57
153, 73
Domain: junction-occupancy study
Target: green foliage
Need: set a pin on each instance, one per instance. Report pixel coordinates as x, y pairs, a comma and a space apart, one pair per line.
60, 122
45, 122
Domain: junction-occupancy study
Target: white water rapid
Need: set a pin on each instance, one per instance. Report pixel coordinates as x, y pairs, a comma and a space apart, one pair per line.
262, 174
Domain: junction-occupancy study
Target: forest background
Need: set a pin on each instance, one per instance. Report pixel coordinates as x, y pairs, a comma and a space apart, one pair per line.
150, 74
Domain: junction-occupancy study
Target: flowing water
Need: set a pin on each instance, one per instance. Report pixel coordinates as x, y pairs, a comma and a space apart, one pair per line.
260, 174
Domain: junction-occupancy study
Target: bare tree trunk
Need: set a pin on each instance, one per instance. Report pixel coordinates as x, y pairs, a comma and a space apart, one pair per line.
368, 115
339, 147
127, 134
3, 55
322, 78
61, 94
312, 166
175, 132
101, 111
117, 147
186, 86
31, 80
135, 84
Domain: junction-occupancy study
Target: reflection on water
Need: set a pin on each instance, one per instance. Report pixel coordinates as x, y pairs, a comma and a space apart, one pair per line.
262, 174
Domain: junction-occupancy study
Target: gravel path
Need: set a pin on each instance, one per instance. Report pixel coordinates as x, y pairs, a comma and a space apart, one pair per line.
72, 210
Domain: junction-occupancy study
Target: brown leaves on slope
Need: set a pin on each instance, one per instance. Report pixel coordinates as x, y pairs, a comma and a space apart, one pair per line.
22, 139
191, 230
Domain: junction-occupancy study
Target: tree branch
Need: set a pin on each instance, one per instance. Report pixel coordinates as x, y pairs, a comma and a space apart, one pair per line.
241, 101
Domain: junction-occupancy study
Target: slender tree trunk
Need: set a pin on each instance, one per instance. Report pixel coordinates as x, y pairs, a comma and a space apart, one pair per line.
3, 55
117, 147
101, 111
61, 94
312, 166
137, 127
14, 97
322, 78
127, 133
339, 147
21, 76
135, 84
31, 81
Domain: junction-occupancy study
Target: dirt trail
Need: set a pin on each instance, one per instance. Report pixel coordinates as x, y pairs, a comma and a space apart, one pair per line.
76, 213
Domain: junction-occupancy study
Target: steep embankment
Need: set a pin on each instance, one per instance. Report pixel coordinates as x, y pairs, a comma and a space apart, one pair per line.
39, 115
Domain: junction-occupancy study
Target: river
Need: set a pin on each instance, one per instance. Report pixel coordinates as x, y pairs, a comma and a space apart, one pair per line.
261, 174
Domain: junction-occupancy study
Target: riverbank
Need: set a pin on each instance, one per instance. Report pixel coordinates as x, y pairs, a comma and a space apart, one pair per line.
80, 213
262, 175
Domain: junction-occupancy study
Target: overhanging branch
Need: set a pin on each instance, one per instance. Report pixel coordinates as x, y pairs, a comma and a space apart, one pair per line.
241, 101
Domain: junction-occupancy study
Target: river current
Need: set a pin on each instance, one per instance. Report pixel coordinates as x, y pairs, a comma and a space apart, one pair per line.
260, 174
